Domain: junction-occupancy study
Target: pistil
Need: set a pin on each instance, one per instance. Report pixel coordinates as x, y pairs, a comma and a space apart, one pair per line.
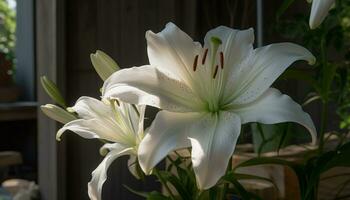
215, 42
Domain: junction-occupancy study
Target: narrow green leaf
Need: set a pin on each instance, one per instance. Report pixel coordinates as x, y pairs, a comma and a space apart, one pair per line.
243, 192
141, 194
285, 5
238, 176
176, 182
157, 196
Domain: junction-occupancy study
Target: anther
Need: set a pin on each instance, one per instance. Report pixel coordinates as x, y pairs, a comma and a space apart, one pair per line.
195, 62
204, 56
117, 102
216, 71
221, 60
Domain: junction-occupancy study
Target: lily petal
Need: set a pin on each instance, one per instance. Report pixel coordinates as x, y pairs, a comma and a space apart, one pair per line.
236, 46
147, 85
262, 68
319, 11
132, 165
274, 107
213, 141
168, 132
172, 50
141, 110
99, 175
90, 129
91, 108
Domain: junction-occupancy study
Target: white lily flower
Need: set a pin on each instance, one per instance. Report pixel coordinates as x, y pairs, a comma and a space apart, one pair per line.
207, 93
319, 11
119, 123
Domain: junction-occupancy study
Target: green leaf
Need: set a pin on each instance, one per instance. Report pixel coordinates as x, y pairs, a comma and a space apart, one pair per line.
141, 194
213, 193
285, 5
243, 192
154, 195
238, 176
269, 137
176, 182
157, 196
337, 158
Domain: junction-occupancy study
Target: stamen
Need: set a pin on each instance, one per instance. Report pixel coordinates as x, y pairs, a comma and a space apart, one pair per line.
204, 56
195, 62
216, 71
221, 60
117, 102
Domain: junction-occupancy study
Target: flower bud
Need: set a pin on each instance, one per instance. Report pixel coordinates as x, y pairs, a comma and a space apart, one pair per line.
103, 64
57, 113
52, 90
319, 11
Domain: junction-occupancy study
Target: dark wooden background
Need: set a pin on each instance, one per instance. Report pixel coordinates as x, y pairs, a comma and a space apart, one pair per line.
118, 28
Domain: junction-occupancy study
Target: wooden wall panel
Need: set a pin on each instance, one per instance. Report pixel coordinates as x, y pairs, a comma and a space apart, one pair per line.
118, 28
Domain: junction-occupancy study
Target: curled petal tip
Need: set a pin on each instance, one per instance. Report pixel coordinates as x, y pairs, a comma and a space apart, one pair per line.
149, 34
312, 25
103, 151
58, 136
312, 60
145, 168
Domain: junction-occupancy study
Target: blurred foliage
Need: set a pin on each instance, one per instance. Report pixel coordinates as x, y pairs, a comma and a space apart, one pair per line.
179, 175
330, 85
309, 172
330, 43
7, 29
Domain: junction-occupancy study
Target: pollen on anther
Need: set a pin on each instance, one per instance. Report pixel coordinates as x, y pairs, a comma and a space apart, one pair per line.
195, 62
116, 100
216, 71
222, 60
204, 56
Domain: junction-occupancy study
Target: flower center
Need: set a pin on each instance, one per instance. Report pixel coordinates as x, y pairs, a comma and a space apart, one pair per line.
211, 75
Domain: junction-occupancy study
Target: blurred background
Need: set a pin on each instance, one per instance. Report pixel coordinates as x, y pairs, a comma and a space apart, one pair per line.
56, 37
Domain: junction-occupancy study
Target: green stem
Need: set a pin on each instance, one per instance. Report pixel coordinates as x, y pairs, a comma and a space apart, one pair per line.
324, 109
163, 182
226, 185
324, 115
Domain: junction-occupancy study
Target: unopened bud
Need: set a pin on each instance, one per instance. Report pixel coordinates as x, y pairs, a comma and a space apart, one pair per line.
52, 90
57, 113
103, 64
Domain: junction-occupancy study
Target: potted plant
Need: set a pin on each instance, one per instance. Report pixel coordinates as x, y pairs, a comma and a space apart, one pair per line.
8, 91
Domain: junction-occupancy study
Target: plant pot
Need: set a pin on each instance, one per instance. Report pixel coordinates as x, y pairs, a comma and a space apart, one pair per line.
8, 91
284, 178
6, 72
